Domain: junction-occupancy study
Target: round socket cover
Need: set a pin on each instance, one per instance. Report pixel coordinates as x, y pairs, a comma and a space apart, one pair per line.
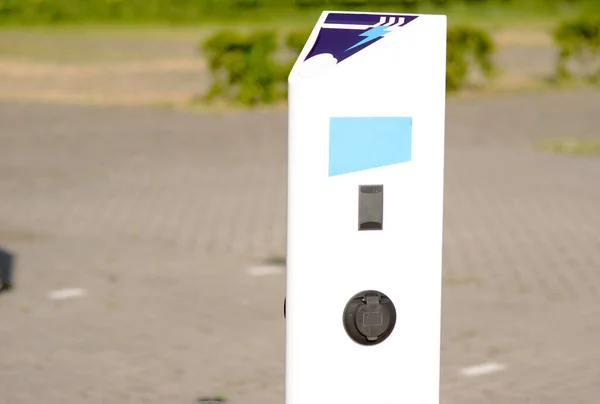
369, 317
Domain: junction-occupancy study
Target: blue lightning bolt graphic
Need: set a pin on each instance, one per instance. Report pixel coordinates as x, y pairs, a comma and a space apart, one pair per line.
370, 35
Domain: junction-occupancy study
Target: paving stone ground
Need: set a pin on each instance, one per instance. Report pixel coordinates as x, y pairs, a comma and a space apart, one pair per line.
158, 214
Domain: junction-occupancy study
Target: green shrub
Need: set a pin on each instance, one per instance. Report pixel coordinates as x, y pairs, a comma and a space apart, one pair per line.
244, 69
578, 42
467, 48
295, 41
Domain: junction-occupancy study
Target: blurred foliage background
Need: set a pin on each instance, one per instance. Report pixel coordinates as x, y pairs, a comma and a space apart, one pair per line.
190, 11
249, 46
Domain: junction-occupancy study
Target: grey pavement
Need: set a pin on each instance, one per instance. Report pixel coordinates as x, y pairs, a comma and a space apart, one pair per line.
158, 214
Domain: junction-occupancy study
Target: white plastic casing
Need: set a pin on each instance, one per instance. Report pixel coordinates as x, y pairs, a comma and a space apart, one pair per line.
393, 86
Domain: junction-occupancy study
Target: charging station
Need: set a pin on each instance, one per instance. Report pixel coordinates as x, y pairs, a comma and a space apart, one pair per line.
365, 208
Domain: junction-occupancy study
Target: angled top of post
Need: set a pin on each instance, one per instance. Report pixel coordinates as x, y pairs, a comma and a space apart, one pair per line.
339, 35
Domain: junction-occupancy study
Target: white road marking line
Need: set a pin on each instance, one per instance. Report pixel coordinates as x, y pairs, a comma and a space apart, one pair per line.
265, 270
64, 294
483, 369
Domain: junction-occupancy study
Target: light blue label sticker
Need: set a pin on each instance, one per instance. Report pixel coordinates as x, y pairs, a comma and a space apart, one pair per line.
362, 143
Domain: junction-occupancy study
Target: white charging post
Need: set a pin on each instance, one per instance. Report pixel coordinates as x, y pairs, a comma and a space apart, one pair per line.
365, 207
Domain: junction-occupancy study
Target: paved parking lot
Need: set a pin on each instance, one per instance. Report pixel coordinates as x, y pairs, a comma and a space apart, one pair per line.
161, 217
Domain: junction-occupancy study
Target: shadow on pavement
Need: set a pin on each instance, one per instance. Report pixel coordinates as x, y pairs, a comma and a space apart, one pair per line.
7, 262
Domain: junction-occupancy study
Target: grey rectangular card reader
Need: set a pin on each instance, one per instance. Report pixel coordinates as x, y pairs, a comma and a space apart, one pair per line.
370, 207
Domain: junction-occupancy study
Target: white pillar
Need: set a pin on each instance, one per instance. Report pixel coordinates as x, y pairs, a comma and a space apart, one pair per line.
365, 206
